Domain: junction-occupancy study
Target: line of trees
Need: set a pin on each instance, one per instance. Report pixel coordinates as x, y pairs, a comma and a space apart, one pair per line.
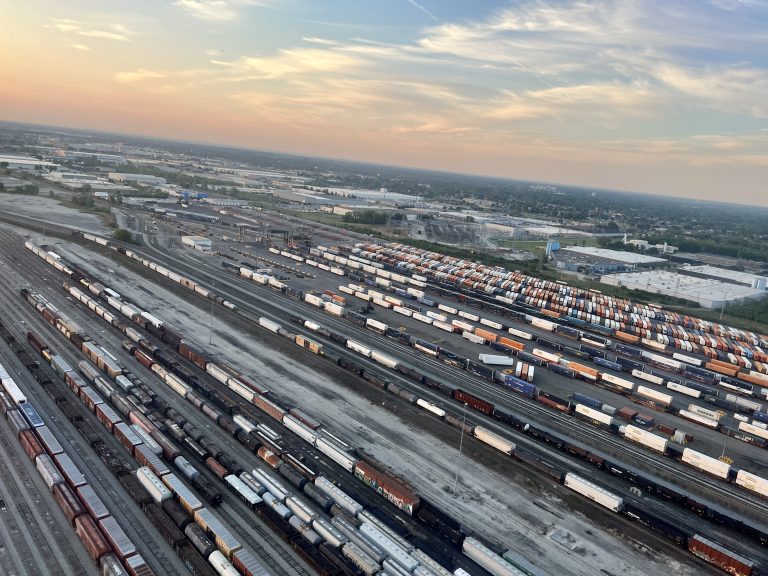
366, 217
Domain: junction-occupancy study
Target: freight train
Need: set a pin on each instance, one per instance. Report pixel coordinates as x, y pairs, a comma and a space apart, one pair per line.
614, 469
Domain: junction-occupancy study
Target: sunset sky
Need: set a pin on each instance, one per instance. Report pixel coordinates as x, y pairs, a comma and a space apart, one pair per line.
668, 97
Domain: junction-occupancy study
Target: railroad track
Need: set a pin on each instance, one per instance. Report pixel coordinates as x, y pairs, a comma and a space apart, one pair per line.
378, 368
286, 564
123, 508
564, 426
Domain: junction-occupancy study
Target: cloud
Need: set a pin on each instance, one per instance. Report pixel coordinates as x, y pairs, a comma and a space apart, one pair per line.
216, 10
293, 62
421, 8
81, 47
138, 75
109, 31
322, 41
732, 89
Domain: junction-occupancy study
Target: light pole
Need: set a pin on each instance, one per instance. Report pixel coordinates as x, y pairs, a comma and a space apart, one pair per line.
461, 443
725, 443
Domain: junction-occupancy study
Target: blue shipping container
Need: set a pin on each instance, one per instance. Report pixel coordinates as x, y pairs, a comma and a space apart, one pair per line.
520, 386
586, 400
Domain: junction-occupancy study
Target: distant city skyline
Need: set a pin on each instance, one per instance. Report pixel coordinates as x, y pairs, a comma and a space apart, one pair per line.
641, 96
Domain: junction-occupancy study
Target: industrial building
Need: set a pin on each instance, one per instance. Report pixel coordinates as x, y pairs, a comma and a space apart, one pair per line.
706, 292
200, 243
143, 179
304, 197
77, 181
597, 261
27, 163
225, 202
381, 195
724, 275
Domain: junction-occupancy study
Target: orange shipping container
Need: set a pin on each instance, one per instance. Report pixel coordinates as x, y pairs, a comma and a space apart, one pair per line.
488, 335
626, 337
721, 369
511, 343
583, 369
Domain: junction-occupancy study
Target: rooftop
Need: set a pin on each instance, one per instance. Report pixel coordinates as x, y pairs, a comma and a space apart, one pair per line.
618, 256
740, 277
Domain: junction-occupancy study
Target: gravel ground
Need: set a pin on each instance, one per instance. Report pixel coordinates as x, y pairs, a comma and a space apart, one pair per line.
44, 208
532, 518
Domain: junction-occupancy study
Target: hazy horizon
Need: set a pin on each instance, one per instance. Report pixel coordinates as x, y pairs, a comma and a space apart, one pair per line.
641, 97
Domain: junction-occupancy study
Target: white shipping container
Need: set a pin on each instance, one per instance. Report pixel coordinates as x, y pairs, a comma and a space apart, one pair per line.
622, 382
495, 360
486, 558
699, 419
754, 430
659, 397
543, 324
593, 492
447, 309
548, 356
436, 316
687, 359
359, 348
464, 326
648, 378
473, 338
403, 311
752, 482
594, 414
334, 308
711, 414
492, 439
706, 463
645, 438
491, 323
683, 389
469, 316
376, 325
269, 324
312, 299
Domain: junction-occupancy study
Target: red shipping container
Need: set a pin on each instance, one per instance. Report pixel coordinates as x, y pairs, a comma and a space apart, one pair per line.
30, 444
68, 502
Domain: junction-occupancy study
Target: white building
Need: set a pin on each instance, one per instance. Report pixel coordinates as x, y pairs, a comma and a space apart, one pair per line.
629, 258
198, 243
27, 163
706, 292
725, 275
145, 179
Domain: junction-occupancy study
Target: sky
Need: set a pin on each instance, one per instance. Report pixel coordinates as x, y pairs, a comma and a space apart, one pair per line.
666, 97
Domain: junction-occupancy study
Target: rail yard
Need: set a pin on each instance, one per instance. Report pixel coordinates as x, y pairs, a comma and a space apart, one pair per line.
347, 407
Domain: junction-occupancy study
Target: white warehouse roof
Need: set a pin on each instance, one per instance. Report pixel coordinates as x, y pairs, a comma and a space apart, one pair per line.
618, 256
724, 273
708, 293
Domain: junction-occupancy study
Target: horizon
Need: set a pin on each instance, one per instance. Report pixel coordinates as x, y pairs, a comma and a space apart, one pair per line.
505, 179
642, 97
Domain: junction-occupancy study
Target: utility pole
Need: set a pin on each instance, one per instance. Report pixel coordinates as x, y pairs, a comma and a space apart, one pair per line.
461, 443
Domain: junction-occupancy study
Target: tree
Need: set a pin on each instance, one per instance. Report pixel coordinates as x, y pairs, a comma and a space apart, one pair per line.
122, 235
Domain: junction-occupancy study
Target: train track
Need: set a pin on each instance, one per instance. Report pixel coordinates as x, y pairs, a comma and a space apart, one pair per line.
286, 564
365, 333
152, 548
564, 426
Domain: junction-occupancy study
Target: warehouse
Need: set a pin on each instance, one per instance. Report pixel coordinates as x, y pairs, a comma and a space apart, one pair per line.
597, 261
724, 275
143, 179
706, 292
198, 243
